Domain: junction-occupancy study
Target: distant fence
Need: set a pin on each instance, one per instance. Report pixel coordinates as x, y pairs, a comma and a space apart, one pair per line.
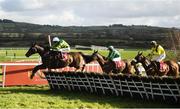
151, 88
17, 48
92, 47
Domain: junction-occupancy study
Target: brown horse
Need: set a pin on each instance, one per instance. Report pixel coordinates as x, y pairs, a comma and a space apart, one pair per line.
153, 68
109, 67
50, 61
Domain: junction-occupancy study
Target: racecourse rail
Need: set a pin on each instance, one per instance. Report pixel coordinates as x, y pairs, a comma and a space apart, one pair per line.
18, 73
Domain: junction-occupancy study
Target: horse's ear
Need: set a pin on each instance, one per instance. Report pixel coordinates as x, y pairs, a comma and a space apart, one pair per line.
140, 52
34, 43
95, 51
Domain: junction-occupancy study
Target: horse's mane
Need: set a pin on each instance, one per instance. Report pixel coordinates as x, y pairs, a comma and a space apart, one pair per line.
102, 56
87, 58
46, 48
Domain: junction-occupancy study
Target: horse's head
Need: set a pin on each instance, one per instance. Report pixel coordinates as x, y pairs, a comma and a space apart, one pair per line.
139, 57
32, 50
98, 57
95, 55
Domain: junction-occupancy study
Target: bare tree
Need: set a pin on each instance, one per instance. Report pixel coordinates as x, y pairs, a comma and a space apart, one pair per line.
174, 42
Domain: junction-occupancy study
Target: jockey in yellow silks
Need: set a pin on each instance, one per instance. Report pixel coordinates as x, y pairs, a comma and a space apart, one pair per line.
157, 52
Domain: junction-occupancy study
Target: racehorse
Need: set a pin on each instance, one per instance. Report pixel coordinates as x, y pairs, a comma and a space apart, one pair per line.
51, 61
170, 68
109, 67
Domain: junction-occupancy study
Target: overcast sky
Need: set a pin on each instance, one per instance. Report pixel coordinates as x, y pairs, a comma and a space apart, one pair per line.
164, 13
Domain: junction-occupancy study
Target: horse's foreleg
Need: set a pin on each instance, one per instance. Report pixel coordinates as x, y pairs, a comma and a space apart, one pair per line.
82, 69
36, 69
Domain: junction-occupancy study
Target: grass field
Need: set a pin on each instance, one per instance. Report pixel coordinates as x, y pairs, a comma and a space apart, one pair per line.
8, 55
43, 97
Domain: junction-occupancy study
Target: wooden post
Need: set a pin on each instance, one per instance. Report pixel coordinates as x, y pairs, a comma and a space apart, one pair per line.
14, 55
172, 36
6, 53
49, 40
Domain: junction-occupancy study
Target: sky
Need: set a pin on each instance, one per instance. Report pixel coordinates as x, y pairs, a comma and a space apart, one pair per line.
164, 13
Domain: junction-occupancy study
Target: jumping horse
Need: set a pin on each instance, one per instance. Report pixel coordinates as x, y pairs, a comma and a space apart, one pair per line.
169, 68
109, 67
73, 59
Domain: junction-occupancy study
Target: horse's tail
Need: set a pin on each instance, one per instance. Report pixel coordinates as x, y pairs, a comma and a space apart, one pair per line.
81, 53
178, 65
85, 57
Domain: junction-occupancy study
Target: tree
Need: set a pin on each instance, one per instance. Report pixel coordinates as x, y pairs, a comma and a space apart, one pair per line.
174, 42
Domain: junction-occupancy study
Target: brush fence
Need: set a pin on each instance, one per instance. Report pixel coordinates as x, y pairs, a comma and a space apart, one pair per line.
150, 88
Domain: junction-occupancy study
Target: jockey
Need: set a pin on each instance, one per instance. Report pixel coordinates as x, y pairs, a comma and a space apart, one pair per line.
158, 54
157, 51
114, 55
60, 45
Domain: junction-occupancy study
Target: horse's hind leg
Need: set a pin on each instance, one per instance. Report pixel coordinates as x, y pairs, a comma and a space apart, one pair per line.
177, 71
174, 70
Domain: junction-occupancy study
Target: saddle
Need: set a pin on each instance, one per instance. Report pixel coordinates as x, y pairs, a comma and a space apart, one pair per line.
161, 66
64, 56
59, 55
119, 64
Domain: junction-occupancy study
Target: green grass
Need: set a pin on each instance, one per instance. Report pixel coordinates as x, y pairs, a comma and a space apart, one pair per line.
42, 97
8, 55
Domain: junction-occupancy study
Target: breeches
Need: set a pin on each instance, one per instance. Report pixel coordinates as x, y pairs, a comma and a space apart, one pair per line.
159, 58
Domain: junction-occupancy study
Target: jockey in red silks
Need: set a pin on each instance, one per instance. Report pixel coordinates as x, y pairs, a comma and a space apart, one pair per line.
114, 56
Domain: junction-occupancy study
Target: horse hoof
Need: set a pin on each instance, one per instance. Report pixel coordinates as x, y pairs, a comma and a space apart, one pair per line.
31, 77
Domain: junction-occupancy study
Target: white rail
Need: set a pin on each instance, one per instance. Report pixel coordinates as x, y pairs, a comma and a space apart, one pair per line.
35, 63
4, 66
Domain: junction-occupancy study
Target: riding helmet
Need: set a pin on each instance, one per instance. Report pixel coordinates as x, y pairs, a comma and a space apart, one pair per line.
56, 39
111, 47
153, 43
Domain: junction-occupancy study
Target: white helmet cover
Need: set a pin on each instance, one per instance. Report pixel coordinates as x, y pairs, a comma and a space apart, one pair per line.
56, 39
111, 47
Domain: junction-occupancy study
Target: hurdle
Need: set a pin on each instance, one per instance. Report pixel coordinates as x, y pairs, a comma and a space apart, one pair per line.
148, 88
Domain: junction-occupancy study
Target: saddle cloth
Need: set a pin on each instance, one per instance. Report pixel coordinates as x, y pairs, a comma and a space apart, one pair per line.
162, 67
119, 64
64, 56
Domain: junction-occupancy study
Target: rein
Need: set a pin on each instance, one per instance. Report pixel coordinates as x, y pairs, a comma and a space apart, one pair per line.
147, 64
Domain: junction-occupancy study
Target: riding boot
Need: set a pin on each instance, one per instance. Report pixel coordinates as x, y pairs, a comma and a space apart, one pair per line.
61, 55
154, 63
